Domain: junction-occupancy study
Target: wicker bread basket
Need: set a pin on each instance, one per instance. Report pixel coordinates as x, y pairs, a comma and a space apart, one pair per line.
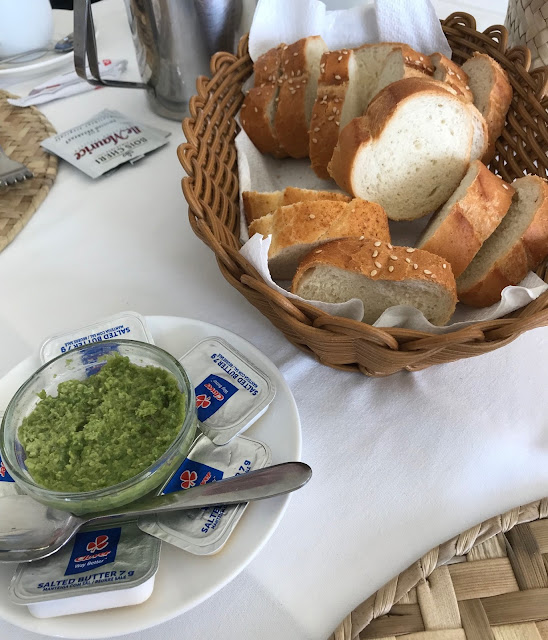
211, 190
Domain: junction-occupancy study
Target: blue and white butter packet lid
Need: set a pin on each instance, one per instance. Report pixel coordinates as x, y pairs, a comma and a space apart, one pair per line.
231, 392
103, 568
205, 531
7, 483
127, 325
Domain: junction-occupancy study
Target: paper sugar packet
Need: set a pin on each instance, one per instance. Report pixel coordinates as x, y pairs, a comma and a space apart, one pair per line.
69, 84
105, 142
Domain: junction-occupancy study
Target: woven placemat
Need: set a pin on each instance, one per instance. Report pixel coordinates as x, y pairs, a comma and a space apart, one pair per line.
488, 583
21, 131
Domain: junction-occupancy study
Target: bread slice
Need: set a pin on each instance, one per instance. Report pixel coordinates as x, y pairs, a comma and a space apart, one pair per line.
299, 82
492, 93
337, 102
301, 227
402, 62
448, 71
517, 245
380, 275
410, 150
259, 105
370, 60
480, 137
258, 204
347, 83
468, 218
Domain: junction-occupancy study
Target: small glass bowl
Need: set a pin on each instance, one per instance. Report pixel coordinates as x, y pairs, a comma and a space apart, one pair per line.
79, 364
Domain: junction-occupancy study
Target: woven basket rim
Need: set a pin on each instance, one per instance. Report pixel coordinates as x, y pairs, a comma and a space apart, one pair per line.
307, 317
381, 602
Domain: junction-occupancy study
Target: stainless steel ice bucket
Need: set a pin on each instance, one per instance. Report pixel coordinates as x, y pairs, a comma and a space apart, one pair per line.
174, 40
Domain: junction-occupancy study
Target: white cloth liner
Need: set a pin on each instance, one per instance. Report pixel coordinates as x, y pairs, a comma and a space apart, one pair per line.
410, 21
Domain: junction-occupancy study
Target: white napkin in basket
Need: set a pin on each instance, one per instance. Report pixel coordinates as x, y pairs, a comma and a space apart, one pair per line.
411, 21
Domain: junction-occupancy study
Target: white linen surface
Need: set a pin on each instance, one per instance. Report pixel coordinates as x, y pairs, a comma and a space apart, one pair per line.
400, 464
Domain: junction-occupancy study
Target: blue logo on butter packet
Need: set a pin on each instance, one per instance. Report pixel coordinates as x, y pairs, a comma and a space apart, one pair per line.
192, 474
211, 394
93, 549
4, 475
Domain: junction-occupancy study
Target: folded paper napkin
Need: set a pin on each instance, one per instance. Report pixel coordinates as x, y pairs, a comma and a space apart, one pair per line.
69, 84
411, 21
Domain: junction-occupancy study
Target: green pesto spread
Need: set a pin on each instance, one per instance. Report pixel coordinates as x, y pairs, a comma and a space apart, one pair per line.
103, 430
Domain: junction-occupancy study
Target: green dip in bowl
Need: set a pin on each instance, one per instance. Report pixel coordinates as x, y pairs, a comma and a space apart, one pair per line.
99, 426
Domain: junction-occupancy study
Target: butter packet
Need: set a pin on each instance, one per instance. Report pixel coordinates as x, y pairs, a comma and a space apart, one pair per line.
205, 531
101, 568
126, 325
231, 392
104, 142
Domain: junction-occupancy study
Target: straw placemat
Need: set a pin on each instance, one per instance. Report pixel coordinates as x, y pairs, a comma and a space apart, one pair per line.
488, 583
21, 131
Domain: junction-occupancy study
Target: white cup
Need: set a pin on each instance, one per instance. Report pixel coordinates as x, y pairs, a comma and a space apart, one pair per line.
24, 25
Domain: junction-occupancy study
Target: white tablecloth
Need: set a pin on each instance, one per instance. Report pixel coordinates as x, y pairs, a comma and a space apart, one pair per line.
400, 464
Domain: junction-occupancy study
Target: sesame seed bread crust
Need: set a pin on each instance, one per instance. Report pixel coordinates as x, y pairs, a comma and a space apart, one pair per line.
361, 133
379, 261
493, 106
496, 267
258, 204
294, 194
267, 67
337, 70
257, 122
297, 228
259, 105
300, 68
448, 71
469, 220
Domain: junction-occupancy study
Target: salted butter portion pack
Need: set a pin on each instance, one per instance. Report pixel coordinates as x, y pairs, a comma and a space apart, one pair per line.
101, 568
127, 325
231, 392
205, 531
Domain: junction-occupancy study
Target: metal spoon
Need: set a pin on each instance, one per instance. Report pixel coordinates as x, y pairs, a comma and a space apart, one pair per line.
65, 45
29, 530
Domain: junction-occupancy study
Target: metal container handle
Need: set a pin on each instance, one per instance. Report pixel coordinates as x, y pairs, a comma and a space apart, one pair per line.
85, 46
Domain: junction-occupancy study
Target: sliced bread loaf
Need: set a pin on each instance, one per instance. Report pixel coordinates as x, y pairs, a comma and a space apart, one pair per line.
468, 218
448, 71
492, 93
259, 105
258, 204
410, 150
301, 227
517, 245
298, 86
402, 62
380, 275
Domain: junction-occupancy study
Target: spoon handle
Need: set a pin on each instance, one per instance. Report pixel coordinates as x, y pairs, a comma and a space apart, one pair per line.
255, 485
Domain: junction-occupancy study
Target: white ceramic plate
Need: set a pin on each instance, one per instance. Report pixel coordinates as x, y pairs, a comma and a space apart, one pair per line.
279, 427
47, 62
